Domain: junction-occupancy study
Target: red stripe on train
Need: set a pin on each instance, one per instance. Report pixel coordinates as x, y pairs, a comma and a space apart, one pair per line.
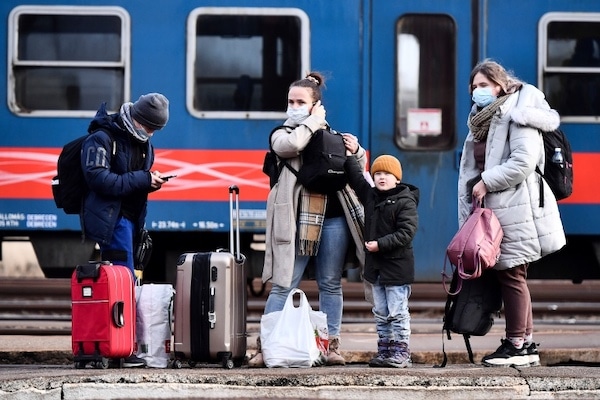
586, 166
26, 173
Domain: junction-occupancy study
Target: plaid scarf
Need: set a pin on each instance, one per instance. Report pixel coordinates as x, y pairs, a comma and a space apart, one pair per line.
310, 221
312, 216
479, 123
357, 211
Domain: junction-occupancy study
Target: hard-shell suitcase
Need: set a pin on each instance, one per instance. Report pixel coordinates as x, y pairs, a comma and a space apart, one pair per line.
103, 314
210, 303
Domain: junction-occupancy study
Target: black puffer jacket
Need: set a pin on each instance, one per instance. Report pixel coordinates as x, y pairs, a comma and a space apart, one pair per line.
391, 218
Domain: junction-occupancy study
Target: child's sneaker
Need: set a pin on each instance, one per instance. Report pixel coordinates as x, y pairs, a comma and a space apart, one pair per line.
507, 356
398, 356
383, 350
532, 353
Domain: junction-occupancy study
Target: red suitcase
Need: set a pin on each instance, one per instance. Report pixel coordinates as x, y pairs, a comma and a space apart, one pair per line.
103, 314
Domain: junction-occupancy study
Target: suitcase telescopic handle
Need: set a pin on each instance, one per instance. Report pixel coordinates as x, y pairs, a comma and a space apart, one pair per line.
235, 248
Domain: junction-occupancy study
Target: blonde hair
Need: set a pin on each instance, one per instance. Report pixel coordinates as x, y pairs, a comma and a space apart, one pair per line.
497, 74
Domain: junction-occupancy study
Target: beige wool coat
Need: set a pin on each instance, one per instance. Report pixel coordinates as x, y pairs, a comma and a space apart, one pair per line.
514, 147
283, 201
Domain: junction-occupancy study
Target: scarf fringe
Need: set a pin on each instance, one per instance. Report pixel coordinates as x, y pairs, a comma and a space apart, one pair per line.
308, 247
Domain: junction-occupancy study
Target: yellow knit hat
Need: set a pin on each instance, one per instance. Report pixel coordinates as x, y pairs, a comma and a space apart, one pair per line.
389, 164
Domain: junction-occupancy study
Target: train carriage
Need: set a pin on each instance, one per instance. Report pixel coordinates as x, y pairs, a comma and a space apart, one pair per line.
397, 78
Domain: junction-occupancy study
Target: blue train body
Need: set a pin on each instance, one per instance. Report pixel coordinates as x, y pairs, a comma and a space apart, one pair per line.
397, 74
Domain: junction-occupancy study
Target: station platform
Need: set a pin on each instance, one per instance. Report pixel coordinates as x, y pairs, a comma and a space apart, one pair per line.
40, 367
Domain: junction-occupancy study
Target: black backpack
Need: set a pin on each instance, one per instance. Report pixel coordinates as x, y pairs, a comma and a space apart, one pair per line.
69, 186
322, 169
559, 176
471, 311
323, 161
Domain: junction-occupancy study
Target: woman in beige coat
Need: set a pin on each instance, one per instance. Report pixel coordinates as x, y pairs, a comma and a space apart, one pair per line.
296, 232
500, 154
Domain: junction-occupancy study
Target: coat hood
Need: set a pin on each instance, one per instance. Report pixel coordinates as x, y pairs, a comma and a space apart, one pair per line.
532, 110
103, 120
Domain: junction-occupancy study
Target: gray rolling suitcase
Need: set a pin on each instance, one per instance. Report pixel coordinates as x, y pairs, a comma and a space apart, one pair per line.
210, 303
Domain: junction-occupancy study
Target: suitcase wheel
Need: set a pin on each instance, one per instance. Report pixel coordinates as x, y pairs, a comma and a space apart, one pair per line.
176, 364
102, 364
228, 363
227, 360
192, 363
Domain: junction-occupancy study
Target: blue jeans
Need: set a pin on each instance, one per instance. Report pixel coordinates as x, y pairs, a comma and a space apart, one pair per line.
120, 249
392, 318
329, 265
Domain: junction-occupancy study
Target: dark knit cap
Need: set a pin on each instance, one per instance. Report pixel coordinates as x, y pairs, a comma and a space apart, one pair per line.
151, 110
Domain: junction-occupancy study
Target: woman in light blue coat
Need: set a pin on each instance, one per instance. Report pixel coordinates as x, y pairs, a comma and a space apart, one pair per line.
498, 163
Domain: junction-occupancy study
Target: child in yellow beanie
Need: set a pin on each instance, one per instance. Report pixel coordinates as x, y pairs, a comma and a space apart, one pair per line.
391, 221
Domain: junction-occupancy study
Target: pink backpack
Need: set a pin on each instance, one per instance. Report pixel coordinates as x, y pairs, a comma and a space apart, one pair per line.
475, 247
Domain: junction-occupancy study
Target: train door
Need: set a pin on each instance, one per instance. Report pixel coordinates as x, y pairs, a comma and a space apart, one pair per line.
421, 59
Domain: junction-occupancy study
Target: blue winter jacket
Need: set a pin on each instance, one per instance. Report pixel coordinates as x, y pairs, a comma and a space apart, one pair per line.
110, 178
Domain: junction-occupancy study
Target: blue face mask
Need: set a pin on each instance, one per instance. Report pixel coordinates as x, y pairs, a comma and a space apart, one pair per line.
483, 96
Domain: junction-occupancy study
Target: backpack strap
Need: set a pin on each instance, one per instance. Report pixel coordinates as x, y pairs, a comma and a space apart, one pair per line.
468, 346
446, 328
537, 169
445, 359
282, 161
110, 136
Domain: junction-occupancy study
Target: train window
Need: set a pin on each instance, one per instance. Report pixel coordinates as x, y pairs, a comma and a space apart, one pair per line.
425, 82
242, 60
569, 68
65, 61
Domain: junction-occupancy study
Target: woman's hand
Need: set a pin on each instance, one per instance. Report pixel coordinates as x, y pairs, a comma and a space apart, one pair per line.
318, 110
479, 191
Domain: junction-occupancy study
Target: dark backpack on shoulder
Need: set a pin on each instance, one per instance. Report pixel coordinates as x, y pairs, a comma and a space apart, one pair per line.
558, 176
272, 164
323, 160
69, 186
471, 311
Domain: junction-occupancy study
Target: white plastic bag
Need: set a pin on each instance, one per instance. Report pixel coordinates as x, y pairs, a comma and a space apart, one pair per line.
288, 336
154, 314
319, 323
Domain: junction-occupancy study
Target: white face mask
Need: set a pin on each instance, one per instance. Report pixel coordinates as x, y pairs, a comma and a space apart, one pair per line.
298, 114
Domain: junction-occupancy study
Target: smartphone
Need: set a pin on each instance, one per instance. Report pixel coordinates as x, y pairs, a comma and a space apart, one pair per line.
166, 178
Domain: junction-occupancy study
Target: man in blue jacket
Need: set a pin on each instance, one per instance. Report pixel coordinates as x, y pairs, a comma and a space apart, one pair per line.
116, 159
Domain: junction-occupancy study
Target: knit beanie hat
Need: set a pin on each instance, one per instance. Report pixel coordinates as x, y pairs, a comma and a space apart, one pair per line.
151, 110
387, 163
